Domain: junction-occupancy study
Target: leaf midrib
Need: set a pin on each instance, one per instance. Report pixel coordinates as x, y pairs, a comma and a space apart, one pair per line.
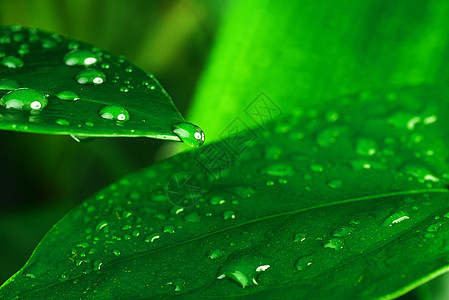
292, 212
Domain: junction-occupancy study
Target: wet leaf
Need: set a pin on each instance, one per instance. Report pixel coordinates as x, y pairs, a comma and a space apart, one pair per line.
57, 85
346, 201
305, 52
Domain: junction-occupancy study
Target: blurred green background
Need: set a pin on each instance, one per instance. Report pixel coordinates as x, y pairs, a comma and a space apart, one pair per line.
44, 176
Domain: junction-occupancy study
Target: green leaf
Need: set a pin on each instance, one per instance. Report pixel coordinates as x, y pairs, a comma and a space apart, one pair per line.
348, 201
303, 52
57, 85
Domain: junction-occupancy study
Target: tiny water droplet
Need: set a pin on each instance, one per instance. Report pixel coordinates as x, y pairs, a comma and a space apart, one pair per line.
11, 62
216, 253
190, 134
435, 227
151, 238
124, 89
101, 225
169, 229
178, 284
278, 170
366, 147
217, 200
90, 76
116, 252
24, 100
67, 95
342, 231
299, 237
303, 262
114, 112
80, 58
97, 265
316, 168
335, 184
334, 243
229, 214
193, 217
62, 122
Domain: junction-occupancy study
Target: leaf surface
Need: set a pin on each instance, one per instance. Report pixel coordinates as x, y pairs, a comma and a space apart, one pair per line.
77, 89
346, 201
305, 52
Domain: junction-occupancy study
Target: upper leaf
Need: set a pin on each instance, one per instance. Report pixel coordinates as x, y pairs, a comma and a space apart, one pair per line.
57, 85
348, 201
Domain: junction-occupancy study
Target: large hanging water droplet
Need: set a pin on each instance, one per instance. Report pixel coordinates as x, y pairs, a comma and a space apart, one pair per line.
11, 62
67, 95
190, 134
114, 112
80, 58
8, 84
24, 100
90, 76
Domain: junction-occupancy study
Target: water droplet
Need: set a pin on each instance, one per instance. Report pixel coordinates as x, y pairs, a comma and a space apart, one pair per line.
178, 284
126, 227
244, 270
335, 184
114, 112
334, 243
101, 225
299, 237
366, 147
24, 99
278, 170
116, 252
11, 62
217, 253
67, 95
190, 134
48, 44
97, 265
303, 262
329, 136
80, 58
421, 173
269, 183
90, 76
124, 89
193, 217
316, 168
342, 231
396, 218
136, 233
435, 227
151, 238
229, 214
169, 229
217, 200
62, 122
8, 84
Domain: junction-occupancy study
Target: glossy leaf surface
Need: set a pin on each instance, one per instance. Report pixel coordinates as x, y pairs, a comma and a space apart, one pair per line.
305, 52
348, 201
56, 85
